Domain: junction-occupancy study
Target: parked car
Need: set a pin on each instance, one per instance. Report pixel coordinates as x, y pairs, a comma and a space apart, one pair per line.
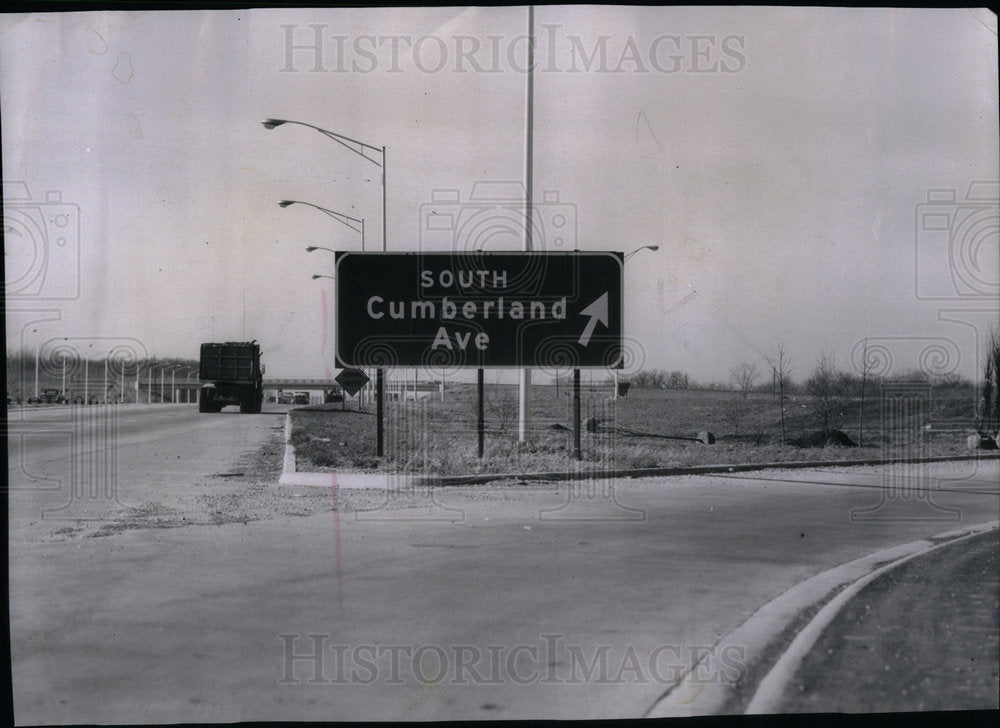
49, 396
286, 397
333, 395
301, 398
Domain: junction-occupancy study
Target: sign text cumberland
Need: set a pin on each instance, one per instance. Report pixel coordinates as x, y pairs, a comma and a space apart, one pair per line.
479, 309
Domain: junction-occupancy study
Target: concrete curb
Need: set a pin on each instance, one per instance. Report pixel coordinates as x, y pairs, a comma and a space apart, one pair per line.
697, 696
767, 698
685, 470
339, 479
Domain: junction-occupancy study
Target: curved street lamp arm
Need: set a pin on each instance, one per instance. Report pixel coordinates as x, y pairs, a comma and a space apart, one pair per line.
339, 138
338, 216
653, 248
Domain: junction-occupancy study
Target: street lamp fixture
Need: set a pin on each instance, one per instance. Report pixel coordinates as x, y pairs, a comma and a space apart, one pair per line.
653, 248
318, 275
351, 222
346, 141
311, 248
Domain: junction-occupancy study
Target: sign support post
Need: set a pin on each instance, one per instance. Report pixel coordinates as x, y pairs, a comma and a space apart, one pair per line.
576, 414
480, 419
379, 411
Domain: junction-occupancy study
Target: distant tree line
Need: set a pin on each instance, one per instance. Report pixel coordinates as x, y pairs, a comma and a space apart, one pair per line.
769, 383
660, 379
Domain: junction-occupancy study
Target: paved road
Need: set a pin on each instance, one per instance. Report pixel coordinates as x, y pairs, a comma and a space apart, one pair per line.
500, 603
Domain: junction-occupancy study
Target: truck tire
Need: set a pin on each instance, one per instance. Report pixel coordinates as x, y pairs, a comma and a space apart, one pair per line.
205, 403
246, 403
258, 403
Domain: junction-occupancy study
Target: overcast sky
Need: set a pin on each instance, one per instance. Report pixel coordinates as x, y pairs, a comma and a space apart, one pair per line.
781, 158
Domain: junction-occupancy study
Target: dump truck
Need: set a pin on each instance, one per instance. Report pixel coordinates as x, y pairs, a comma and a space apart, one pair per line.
231, 373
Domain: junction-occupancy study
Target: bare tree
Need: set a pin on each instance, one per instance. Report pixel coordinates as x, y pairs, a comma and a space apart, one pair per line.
640, 380
501, 404
828, 389
677, 380
988, 414
866, 368
744, 377
781, 372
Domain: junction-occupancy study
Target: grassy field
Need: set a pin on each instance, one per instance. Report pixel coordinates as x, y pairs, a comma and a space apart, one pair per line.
435, 437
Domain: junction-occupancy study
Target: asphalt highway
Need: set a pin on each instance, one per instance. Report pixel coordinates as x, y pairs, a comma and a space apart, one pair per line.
495, 602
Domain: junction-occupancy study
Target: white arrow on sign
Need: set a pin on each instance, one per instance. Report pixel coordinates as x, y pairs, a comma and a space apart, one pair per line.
598, 311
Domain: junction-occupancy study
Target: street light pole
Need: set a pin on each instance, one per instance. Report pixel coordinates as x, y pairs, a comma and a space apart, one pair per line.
361, 150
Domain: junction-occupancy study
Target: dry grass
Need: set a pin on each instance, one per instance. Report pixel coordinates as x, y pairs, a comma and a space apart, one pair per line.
434, 437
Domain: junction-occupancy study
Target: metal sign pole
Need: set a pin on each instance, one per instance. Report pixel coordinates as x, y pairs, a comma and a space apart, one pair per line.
576, 414
379, 412
480, 410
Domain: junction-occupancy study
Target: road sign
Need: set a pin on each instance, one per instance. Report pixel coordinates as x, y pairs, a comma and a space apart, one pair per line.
479, 309
351, 380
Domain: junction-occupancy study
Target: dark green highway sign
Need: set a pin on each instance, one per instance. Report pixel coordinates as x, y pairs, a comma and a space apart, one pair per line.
478, 309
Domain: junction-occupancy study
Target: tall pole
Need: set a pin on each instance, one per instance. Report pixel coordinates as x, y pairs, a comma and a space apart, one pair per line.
480, 412
86, 374
380, 375
105, 397
137, 382
64, 376
37, 354
161, 385
149, 383
173, 390
379, 411
347, 142
576, 414
524, 375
